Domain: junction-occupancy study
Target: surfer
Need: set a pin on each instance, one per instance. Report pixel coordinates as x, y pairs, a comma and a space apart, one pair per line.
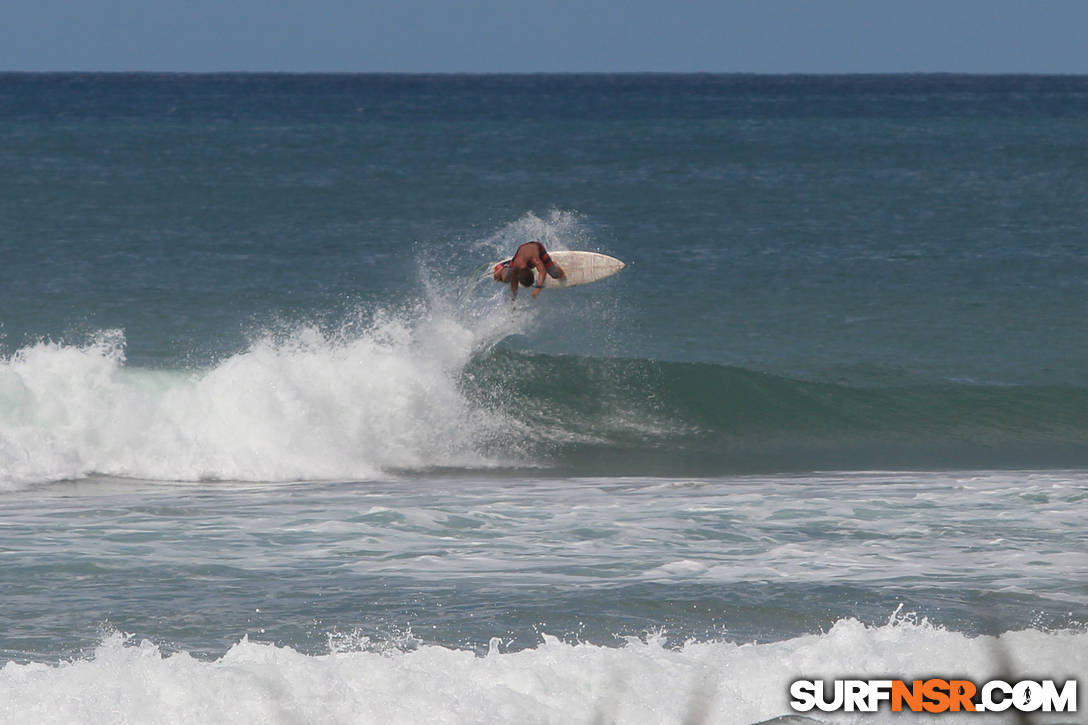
520, 268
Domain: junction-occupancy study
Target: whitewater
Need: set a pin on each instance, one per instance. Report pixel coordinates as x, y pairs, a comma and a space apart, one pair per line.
273, 449
538, 600
640, 682
307, 408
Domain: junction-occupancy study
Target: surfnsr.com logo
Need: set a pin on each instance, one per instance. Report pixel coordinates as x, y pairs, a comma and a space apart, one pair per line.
934, 695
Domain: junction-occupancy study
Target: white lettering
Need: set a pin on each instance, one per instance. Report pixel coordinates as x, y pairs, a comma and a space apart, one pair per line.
1064, 701
993, 696
1027, 696
856, 696
803, 693
988, 701
835, 703
880, 690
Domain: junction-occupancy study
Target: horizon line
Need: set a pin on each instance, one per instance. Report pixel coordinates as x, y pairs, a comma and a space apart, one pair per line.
547, 73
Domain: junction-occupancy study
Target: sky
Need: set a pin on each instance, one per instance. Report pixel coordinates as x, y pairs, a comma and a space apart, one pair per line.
518, 36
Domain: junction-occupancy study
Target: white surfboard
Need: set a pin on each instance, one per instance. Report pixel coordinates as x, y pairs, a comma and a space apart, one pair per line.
580, 268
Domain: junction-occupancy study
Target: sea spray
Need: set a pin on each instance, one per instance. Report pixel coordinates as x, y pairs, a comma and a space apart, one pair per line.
556, 229
309, 405
823, 272
420, 388
641, 682
383, 389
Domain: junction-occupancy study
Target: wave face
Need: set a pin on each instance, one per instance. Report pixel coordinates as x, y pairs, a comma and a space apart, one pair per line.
415, 390
642, 415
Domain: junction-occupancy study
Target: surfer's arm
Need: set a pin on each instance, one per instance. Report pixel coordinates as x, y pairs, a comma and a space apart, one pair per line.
541, 273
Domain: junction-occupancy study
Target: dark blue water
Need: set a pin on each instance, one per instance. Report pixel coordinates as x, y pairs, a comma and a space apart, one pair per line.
257, 407
861, 231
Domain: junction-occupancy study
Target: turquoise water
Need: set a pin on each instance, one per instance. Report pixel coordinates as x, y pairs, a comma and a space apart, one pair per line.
258, 420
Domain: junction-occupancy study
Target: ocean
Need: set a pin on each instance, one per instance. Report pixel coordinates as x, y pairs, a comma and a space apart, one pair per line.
273, 449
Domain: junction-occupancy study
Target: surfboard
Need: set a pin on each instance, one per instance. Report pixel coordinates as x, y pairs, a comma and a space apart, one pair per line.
580, 268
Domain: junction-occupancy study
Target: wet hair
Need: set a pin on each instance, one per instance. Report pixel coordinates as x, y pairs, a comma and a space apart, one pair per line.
526, 278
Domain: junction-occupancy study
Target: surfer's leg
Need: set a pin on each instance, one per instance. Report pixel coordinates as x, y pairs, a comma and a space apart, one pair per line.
549, 265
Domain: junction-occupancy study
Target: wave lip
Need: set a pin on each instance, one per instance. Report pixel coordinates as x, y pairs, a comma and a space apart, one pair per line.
311, 407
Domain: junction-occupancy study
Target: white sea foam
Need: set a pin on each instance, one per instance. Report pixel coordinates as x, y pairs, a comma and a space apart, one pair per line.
308, 405
557, 229
641, 682
305, 404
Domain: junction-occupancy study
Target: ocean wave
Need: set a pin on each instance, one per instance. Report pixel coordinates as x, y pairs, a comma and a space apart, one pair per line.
622, 415
644, 681
418, 390
310, 406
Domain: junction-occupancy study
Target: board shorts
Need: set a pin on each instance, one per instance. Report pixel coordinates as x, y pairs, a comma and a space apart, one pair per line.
549, 265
